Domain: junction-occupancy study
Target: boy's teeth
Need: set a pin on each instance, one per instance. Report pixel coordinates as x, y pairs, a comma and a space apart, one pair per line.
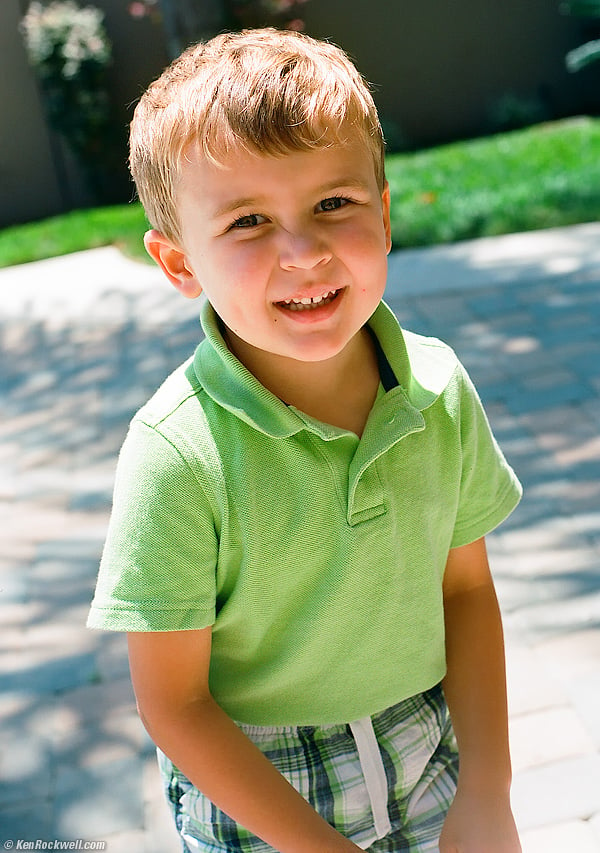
307, 300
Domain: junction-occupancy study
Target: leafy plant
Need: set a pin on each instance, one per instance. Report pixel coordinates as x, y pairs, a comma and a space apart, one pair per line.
590, 51
70, 52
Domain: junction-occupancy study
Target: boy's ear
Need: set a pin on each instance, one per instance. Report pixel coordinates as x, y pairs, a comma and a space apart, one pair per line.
172, 261
387, 224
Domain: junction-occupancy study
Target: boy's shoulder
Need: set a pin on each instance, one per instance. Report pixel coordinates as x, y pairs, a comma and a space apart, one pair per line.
172, 396
172, 437
428, 350
433, 367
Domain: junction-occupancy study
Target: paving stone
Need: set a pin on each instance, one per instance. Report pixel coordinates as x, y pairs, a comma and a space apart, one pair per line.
585, 699
574, 662
572, 657
539, 400
13, 586
112, 659
493, 303
26, 765
531, 684
552, 734
99, 800
49, 675
575, 836
162, 837
28, 820
537, 622
559, 561
558, 792
132, 841
594, 825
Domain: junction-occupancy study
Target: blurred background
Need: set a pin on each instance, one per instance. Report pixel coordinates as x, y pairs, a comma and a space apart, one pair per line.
441, 72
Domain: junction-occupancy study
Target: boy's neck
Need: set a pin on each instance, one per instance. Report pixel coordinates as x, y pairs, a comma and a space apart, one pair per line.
339, 391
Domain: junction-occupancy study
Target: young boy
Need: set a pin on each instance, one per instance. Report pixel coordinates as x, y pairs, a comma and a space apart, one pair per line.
296, 546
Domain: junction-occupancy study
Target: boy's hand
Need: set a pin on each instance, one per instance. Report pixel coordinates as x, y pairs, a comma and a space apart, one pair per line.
480, 823
175, 704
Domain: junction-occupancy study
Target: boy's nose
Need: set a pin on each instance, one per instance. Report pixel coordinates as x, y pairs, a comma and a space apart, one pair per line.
303, 250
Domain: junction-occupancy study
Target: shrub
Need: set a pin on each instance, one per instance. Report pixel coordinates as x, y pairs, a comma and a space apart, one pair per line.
590, 51
69, 50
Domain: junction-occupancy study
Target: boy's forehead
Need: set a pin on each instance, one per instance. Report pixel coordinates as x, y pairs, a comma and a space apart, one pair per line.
236, 157
243, 176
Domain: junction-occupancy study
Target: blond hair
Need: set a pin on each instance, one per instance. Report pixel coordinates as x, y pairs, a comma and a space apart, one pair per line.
266, 91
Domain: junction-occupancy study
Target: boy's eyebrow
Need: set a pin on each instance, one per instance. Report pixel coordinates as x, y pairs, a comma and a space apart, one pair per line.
350, 182
253, 201
235, 204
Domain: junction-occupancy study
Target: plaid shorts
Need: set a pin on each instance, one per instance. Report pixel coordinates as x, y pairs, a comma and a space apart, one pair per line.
386, 782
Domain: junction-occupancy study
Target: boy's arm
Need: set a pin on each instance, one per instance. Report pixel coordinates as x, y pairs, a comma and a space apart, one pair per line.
170, 677
475, 688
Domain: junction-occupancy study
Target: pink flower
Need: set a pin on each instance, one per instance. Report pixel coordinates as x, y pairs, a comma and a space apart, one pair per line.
297, 24
137, 9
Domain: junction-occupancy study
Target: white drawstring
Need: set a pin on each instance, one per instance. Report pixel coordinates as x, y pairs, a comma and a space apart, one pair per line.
374, 774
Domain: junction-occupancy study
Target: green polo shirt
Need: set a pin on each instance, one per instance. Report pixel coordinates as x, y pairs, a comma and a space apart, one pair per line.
316, 556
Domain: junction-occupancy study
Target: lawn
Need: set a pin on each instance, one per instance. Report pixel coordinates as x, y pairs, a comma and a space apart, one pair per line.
544, 176
122, 226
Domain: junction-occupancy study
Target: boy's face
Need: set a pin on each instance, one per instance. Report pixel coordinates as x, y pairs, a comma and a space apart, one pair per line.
291, 251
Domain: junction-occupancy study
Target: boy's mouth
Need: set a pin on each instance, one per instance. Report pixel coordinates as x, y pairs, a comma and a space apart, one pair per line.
309, 303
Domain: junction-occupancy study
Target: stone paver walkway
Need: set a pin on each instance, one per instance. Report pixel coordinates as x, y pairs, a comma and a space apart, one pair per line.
84, 341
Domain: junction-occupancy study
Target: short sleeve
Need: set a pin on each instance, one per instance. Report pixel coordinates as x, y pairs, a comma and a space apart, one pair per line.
489, 488
158, 566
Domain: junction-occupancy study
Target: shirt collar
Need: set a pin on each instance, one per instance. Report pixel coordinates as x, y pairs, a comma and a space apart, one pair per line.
422, 366
232, 386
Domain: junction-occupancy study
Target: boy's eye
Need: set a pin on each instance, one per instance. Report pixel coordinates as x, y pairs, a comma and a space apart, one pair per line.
249, 221
333, 203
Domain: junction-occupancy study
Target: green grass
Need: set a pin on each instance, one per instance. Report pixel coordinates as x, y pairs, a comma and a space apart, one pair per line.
544, 176
121, 225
